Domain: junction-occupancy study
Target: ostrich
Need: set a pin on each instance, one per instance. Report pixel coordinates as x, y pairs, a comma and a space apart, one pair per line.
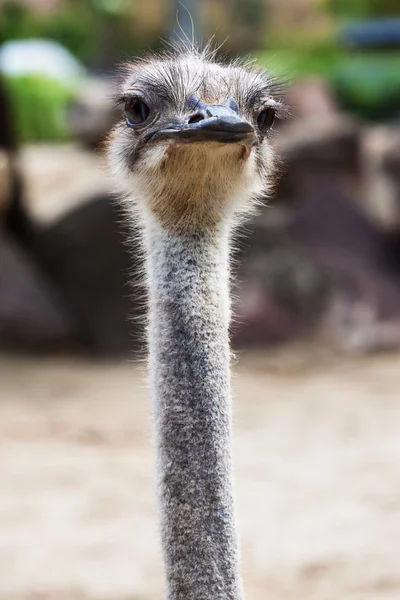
192, 154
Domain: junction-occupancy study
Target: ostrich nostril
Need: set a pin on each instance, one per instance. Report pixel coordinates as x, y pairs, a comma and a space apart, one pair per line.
196, 117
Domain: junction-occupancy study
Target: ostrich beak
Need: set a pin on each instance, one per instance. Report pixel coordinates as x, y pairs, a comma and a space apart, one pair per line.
211, 123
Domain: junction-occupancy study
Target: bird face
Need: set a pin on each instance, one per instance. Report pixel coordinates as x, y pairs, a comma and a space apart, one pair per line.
194, 144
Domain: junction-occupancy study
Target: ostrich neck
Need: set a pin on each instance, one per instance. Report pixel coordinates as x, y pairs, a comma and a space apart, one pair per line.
189, 357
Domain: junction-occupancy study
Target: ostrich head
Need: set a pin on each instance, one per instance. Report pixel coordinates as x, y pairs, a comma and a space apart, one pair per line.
194, 146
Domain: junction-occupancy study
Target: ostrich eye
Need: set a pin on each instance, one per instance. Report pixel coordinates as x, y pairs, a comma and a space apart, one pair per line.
266, 119
136, 111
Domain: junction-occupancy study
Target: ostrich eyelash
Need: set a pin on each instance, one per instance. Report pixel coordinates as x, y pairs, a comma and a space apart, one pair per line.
280, 109
121, 99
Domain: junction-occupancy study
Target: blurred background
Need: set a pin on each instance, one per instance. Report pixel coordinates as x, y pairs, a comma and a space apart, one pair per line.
317, 304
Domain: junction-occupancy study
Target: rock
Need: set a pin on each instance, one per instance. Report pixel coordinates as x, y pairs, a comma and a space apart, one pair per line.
7, 153
85, 257
361, 262
391, 156
318, 260
381, 174
63, 257
60, 178
5, 182
32, 314
281, 292
391, 168
327, 145
332, 141
311, 97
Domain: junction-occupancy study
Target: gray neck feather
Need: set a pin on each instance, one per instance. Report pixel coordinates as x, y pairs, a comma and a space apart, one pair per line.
188, 278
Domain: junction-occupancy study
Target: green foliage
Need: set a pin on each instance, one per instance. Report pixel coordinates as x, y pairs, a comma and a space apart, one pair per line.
39, 106
291, 64
73, 28
365, 82
369, 84
87, 28
363, 8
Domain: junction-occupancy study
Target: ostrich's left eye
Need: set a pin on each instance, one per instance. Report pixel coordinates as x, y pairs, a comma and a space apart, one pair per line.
136, 111
266, 119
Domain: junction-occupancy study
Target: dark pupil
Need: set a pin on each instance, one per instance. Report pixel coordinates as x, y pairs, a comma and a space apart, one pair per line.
136, 111
266, 119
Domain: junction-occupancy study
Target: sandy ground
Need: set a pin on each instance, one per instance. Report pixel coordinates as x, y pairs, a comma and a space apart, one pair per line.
317, 467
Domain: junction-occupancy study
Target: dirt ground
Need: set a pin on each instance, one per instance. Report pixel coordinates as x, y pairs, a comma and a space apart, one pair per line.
317, 468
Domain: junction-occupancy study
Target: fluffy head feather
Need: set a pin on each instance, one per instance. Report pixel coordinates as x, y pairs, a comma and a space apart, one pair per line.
192, 186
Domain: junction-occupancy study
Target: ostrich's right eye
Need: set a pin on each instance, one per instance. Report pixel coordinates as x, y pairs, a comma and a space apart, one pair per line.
266, 119
136, 111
